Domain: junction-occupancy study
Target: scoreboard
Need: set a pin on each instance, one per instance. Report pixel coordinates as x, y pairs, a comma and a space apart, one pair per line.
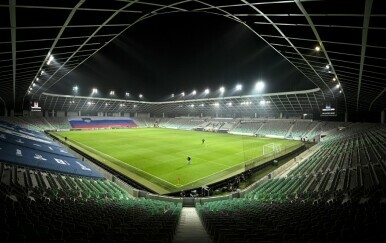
328, 108
35, 106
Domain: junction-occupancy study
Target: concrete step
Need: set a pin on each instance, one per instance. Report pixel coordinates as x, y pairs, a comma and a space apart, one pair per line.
190, 228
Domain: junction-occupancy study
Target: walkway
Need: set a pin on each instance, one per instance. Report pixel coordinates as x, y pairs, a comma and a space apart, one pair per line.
190, 228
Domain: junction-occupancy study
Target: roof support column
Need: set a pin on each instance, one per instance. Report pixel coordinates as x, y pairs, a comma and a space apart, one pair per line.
12, 16
365, 30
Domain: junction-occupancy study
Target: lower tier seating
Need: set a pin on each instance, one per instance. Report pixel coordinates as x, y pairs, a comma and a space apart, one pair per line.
53, 207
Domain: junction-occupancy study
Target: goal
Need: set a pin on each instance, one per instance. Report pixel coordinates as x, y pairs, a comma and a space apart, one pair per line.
271, 149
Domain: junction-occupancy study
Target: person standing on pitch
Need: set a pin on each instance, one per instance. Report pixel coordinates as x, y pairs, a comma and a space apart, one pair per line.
188, 160
203, 141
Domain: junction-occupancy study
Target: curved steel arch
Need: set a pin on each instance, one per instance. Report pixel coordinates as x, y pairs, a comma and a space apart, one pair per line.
339, 52
226, 15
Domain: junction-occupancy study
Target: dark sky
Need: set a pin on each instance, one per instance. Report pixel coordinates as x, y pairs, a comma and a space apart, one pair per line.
181, 52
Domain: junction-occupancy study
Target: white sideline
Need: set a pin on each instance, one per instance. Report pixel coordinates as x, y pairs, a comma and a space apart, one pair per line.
128, 164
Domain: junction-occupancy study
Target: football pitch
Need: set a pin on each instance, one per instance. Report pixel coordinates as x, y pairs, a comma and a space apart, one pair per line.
157, 157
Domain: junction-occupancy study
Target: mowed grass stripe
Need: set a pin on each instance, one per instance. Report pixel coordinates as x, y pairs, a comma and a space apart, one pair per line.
163, 152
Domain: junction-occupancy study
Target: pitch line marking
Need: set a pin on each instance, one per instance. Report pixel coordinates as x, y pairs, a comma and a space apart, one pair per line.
129, 165
213, 162
211, 174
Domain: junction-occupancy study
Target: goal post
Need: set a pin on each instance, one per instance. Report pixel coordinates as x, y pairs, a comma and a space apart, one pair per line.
271, 148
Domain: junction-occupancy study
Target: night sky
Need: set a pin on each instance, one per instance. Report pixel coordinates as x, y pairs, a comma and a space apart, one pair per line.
181, 52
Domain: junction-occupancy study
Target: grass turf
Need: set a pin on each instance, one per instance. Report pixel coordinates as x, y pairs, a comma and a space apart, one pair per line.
162, 153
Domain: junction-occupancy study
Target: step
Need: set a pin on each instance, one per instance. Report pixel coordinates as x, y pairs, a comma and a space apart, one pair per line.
190, 228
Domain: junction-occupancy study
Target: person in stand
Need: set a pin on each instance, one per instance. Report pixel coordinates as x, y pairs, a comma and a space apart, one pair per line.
189, 160
203, 141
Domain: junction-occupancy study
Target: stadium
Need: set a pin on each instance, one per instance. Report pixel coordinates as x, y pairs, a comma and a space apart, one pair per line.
192, 121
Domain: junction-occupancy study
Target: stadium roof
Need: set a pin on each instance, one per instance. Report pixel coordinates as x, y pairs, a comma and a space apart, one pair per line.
351, 58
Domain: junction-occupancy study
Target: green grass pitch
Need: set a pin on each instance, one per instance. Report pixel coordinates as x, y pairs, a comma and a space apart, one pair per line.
162, 153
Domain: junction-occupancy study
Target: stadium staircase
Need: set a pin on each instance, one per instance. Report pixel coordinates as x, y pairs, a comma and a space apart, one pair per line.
338, 194
260, 127
312, 130
41, 206
290, 130
41, 203
190, 228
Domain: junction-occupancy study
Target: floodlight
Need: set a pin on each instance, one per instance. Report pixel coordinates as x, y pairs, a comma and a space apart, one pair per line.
75, 88
33, 84
340, 91
206, 91
262, 102
112, 92
127, 94
192, 105
327, 66
333, 79
259, 86
172, 95
37, 79
183, 93
50, 59
216, 104
202, 105
222, 89
338, 85
94, 91
230, 104
140, 96
317, 48
239, 87
42, 72
194, 92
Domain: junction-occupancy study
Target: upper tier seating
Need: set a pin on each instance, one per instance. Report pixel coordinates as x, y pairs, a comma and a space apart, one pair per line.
181, 123
275, 127
247, 127
301, 128
58, 122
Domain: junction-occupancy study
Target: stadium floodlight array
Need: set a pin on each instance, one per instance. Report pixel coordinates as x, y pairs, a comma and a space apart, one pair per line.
296, 101
259, 86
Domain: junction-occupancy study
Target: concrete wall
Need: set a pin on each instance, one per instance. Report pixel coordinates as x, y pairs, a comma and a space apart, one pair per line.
72, 113
35, 113
60, 114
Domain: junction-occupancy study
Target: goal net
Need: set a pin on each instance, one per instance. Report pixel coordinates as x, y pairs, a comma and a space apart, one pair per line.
271, 148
